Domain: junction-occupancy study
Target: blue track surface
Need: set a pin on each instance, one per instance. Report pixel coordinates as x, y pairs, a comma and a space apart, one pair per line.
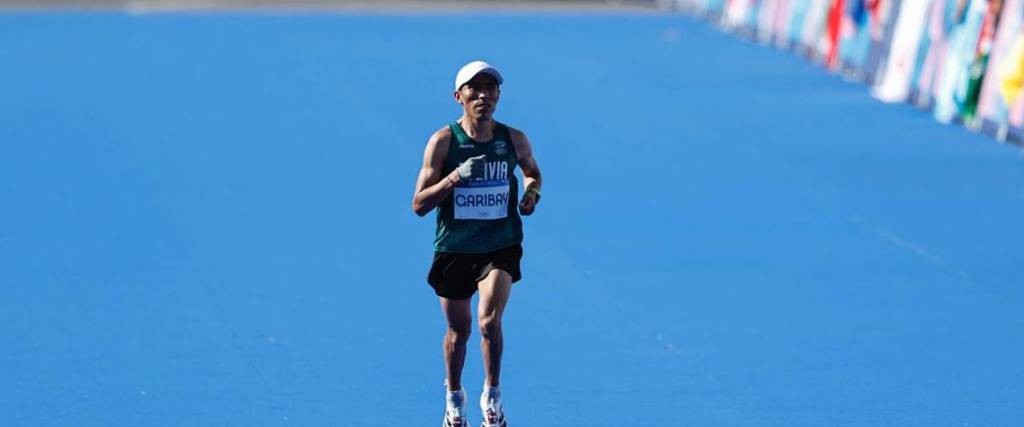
205, 220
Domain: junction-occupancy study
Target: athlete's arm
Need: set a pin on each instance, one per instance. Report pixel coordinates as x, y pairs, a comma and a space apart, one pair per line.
531, 172
431, 187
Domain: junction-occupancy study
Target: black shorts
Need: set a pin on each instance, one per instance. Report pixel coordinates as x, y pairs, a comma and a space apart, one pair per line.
455, 276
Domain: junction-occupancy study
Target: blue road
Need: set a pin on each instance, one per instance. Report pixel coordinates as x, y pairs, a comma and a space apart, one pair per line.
205, 220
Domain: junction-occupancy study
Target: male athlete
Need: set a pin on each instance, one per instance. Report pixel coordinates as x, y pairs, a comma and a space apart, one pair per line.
468, 174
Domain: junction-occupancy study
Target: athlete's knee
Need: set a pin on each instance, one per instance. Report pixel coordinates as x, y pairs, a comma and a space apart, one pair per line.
490, 327
458, 335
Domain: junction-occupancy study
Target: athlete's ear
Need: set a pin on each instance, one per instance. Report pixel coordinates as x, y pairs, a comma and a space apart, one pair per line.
456, 95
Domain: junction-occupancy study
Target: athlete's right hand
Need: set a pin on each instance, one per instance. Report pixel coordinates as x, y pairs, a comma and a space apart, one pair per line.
473, 166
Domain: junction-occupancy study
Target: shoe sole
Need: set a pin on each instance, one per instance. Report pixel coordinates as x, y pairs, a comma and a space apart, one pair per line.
445, 423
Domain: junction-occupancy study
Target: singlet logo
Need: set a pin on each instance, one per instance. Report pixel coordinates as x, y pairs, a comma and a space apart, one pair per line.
499, 148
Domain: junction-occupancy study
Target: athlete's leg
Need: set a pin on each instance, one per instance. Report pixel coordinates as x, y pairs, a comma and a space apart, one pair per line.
494, 293
459, 314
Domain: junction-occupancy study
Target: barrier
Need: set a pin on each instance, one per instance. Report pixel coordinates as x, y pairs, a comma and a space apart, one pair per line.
961, 60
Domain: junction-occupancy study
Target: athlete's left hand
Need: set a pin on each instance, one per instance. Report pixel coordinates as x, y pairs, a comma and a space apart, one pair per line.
528, 203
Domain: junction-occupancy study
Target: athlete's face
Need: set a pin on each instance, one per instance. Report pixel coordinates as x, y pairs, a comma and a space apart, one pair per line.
479, 96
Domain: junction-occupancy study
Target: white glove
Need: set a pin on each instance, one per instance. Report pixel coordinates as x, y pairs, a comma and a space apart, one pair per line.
473, 166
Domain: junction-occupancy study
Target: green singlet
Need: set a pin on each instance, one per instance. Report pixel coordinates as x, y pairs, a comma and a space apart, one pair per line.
481, 215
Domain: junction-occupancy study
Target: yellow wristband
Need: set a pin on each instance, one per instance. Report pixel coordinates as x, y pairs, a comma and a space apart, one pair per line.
536, 193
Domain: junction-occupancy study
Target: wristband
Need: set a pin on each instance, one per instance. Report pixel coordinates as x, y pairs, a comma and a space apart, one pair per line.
536, 193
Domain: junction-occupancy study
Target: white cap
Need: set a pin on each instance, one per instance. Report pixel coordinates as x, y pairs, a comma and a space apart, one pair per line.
470, 70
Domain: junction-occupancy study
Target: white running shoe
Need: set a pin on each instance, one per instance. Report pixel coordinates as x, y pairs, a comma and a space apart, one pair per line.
494, 414
455, 417
455, 412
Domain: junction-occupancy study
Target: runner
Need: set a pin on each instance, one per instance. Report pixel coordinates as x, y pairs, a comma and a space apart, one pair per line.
468, 174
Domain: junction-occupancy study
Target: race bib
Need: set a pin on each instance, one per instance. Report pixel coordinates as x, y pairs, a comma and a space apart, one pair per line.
482, 199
